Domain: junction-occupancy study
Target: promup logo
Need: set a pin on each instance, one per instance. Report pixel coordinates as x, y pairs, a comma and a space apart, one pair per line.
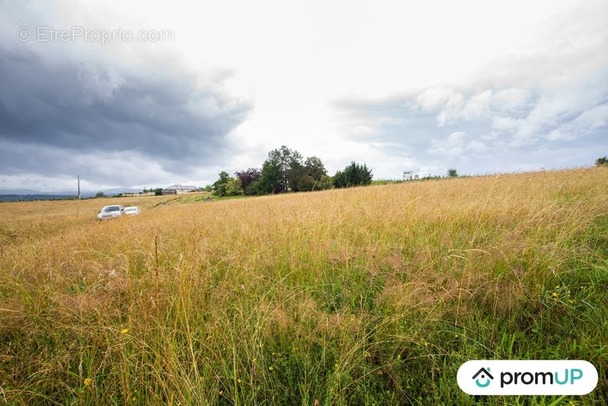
487, 377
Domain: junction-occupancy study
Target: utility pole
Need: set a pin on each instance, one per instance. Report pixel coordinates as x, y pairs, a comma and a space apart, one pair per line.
78, 186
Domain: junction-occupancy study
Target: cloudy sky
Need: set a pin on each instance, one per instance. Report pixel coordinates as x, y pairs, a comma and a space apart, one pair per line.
149, 93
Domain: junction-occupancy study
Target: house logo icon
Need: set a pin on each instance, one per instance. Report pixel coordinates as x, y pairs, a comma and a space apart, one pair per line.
484, 376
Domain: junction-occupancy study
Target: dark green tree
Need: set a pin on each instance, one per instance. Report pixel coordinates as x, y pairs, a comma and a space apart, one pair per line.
282, 170
601, 161
307, 183
271, 180
353, 175
295, 172
339, 180
452, 173
315, 168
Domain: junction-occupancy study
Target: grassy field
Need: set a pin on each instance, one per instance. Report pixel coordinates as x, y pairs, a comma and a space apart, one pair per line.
371, 295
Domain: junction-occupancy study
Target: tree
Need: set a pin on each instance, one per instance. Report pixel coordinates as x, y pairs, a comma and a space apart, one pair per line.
271, 180
158, 191
326, 182
220, 185
452, 173
248, 179
601, 161
340, 180
100, 194
233, 187
353, 175
307, 183
295, 172
253, 189
315, 168
281, 171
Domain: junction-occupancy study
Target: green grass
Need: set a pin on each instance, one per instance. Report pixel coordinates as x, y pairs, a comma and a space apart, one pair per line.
372, 295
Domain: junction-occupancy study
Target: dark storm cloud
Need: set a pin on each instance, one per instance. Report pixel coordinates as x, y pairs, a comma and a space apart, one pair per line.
94, 106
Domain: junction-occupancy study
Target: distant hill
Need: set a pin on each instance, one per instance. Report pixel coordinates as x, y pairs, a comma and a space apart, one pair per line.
30, 197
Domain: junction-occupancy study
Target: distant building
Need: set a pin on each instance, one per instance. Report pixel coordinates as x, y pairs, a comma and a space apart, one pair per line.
178, 190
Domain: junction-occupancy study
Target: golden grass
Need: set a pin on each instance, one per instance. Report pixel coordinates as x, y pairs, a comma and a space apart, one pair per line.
185, 302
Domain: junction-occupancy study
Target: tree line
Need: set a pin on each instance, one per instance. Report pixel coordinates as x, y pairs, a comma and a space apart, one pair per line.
286, 170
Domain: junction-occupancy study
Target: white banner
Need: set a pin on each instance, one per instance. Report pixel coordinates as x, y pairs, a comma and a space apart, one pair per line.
540, 377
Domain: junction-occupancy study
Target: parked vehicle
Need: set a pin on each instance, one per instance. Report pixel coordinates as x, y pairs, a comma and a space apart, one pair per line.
110, 212
132, 211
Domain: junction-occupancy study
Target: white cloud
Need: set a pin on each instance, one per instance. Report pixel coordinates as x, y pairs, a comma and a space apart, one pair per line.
457, 144
435, 97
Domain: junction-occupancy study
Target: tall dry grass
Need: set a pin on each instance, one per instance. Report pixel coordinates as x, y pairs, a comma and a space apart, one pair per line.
367, 295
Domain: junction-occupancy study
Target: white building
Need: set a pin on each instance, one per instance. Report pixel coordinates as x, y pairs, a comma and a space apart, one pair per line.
178, 190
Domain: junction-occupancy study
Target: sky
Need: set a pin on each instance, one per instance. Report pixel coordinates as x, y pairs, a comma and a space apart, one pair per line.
152, 93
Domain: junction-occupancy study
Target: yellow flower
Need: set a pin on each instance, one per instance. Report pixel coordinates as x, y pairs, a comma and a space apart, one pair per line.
88, 381
124, 331
555, 295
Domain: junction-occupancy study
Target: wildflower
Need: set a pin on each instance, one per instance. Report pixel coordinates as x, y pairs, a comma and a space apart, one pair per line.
124, 331
88, 381
271, 368
555, 295
238, 380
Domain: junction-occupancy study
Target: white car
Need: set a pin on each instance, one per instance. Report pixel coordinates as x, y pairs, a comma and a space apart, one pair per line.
110, 212
132, 211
